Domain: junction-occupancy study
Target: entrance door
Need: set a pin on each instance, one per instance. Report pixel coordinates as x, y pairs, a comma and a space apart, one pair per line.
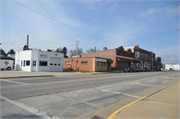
55, 64
34, 66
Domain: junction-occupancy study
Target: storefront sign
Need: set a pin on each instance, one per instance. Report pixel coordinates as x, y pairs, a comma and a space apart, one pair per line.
43, 56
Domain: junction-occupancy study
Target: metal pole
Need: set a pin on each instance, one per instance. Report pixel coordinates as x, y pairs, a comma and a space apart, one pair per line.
152, 61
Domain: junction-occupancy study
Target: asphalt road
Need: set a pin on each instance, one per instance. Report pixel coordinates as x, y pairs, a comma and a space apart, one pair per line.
73, 96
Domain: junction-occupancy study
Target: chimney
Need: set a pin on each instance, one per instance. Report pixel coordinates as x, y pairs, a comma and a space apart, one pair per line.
27, 41
104, 48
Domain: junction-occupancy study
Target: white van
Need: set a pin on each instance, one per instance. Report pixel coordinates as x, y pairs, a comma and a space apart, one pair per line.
6, 63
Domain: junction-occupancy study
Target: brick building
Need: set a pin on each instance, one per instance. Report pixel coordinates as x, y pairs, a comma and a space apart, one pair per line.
145, 57
124, 57
93, 64
158, 64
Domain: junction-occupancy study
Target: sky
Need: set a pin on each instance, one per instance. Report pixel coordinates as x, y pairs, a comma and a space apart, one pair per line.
51, 24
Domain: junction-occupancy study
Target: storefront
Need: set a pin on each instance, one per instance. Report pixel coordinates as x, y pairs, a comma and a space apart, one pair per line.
39, 61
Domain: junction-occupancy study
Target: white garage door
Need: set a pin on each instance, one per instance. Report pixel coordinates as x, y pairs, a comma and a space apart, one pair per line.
55, 64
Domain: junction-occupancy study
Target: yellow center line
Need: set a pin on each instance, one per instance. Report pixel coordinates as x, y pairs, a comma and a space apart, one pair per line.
86, 79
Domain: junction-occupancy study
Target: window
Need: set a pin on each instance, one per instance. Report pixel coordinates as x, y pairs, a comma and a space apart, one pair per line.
27, 62
51, 64
24, 63
137, 54
21, 63
101, 63
58, 64
55, 64
68, 62
42, 63
84, 62
34, 63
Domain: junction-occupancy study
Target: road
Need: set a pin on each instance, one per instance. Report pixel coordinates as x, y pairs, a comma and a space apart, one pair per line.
73, 96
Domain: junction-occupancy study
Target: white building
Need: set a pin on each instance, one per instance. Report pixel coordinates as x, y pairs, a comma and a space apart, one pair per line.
39, 61
172, 66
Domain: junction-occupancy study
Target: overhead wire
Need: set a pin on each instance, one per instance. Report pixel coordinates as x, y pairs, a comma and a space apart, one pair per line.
61, 22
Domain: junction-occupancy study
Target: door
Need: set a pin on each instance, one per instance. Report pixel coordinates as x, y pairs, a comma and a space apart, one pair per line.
34, 66
55, 64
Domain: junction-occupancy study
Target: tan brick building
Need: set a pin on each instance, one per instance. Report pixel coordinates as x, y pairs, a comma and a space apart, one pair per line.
92, 64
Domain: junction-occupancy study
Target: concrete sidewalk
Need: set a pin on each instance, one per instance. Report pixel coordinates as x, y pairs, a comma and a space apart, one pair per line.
19, 74
161, 105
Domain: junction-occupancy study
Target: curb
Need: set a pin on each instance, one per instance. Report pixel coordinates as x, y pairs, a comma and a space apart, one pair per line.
25, 76
119, 110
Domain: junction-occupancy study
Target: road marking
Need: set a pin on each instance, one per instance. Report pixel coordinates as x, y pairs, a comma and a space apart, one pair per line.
14, 82
106, 90
85, 79
161, 103
30, 109
119, 110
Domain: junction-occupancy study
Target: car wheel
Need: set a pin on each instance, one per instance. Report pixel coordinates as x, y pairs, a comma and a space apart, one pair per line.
9, 68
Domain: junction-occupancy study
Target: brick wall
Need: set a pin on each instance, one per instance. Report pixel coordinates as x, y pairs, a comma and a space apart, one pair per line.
109, 54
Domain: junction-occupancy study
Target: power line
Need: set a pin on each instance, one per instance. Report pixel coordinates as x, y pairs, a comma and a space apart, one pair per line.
61, 22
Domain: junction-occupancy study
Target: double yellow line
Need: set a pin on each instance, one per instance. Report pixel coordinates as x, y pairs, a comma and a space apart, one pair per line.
86, 79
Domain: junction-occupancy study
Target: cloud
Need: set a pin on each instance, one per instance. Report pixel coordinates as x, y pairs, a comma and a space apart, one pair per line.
169, 55
150, 11
172, 11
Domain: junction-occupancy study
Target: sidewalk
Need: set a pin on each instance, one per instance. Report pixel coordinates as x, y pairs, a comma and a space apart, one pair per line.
161, 105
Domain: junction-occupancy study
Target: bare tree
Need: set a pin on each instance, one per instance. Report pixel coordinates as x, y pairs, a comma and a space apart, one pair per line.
91, 50
73, 52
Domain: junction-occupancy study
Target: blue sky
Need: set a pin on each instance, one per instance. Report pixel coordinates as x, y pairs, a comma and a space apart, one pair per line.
150, 24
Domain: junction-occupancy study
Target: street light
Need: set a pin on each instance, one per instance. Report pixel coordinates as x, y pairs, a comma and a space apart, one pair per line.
152, 57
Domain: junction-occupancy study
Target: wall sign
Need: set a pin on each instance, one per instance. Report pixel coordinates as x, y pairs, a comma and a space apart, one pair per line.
6, 62
43, 56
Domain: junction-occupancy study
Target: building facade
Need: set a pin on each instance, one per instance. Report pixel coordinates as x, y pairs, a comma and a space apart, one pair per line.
92, 64
39, 61
124, 57
172, 67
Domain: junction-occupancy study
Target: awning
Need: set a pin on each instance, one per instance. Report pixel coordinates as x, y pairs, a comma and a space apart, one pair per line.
109, 61
124, 59
137, 61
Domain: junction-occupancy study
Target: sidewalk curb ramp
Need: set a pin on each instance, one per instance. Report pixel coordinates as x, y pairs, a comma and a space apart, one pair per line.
112, 116
25, 76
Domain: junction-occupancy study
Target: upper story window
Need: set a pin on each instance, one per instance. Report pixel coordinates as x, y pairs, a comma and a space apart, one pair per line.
84, 62
27, 62
137, 54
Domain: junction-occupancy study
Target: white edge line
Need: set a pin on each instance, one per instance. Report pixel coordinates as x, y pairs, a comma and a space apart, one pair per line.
14, 82
30, 109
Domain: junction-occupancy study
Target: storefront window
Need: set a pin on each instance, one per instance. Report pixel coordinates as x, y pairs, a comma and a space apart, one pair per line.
42, 63
27, 62
101, 63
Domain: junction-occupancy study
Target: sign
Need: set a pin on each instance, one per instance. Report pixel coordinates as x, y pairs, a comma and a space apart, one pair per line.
43, 56
6, 62
109, 61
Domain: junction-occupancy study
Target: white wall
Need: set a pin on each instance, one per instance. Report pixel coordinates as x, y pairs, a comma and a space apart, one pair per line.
173, 66
35, 55
21, 56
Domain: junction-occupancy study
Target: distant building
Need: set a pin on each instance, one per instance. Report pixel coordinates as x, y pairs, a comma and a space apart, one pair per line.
158, 64
39, 61
172, 66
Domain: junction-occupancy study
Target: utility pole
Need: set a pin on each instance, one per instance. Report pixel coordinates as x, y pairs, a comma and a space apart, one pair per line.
77, 47
152, 60
27, 42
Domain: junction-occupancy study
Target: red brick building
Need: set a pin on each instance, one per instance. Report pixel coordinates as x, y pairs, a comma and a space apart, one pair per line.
124, 57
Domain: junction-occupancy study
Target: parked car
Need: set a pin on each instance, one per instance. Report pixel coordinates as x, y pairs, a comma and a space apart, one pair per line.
129, 69
146, 69
139, 69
